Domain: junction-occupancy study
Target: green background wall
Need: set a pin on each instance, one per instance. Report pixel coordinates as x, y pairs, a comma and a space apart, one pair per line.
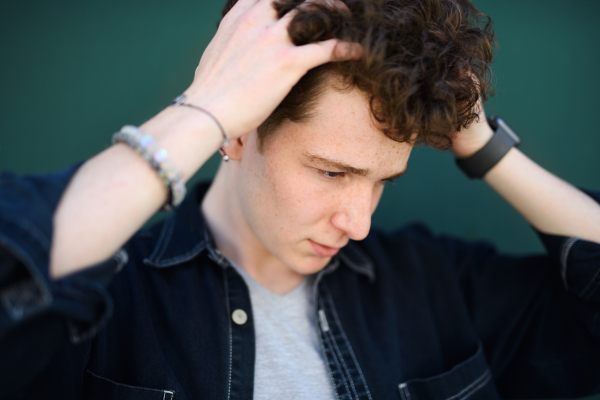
74, 72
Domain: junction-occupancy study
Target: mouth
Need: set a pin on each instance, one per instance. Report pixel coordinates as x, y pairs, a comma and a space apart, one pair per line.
322, 250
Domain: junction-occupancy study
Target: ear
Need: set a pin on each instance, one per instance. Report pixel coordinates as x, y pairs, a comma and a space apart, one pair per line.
236, 147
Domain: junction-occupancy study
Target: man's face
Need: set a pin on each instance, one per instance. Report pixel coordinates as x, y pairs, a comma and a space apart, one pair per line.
317, 183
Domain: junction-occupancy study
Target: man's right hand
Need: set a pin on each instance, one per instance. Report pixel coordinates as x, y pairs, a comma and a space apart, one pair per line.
251, 65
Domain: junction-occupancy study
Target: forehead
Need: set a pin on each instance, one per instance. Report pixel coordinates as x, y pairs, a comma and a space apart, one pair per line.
343, 128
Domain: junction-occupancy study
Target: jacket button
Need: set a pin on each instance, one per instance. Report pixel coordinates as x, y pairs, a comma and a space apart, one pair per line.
239, 316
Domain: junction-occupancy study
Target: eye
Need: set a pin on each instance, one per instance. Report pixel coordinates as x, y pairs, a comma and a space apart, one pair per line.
330, 174
388, 182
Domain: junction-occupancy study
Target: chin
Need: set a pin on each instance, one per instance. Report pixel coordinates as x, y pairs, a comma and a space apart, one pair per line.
310, 265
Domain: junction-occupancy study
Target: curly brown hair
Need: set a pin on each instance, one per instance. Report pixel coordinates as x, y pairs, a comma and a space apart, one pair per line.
424, 67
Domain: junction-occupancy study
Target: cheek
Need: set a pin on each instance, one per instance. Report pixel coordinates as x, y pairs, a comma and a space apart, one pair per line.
297, 196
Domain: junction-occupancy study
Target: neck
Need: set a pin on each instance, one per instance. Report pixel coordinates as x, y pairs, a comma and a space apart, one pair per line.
235, 238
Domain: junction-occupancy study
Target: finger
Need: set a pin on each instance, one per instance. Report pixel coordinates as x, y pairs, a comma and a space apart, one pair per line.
243, 6
266, 7
284, 22
344, 51
332, 4
315, 54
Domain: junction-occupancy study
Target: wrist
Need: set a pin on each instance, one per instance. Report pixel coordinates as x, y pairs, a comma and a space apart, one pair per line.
467, 145
189, 137
482, 161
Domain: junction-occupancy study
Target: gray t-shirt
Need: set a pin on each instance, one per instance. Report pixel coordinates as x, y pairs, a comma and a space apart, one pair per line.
289, 363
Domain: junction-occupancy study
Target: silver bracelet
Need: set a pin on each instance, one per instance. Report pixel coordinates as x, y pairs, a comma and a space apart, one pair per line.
180, 101
158, 159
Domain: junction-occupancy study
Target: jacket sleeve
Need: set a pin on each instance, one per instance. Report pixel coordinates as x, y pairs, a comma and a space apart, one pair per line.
37, 314
579, 264
537, 316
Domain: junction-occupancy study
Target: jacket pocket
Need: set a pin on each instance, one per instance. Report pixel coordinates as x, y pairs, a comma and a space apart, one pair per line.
99, 388
470, 379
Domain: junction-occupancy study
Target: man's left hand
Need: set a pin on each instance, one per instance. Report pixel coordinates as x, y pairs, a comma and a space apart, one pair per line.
470, 140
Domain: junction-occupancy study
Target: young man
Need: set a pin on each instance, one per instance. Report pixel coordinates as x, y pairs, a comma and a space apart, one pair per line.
268, 282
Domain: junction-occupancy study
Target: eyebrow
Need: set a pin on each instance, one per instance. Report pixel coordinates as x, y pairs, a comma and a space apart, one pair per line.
338, 165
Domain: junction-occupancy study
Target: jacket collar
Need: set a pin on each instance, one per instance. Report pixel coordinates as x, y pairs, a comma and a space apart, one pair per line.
184, 235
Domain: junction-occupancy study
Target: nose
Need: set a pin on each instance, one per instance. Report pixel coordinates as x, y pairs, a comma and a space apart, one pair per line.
353, 215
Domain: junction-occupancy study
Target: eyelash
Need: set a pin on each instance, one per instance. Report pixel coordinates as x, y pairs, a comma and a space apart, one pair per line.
334, 175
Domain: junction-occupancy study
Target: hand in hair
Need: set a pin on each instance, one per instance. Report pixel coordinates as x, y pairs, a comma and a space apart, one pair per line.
419, 58
251, 64
471, 139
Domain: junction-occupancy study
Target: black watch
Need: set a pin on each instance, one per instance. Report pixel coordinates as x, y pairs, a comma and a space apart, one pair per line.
481, 162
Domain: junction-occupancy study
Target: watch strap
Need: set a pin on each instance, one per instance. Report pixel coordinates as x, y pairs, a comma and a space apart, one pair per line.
494, 150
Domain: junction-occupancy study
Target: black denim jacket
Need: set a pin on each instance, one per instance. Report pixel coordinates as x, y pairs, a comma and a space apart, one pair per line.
400, 316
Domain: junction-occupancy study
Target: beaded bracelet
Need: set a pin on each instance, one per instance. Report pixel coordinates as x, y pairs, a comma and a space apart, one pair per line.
158, 159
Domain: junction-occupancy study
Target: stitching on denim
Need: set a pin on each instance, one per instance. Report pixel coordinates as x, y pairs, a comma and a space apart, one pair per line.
217, 256
343, 370
337, 363
328, 337
129, 386
564, 255
404, 391
163, 239
214, 253
172, 395
591, 287
320, 335
341, 357
178, 259
473, 387
339, 324
337, 395
230, 333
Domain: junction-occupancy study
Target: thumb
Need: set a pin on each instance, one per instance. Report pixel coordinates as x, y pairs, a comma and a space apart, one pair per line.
315, 54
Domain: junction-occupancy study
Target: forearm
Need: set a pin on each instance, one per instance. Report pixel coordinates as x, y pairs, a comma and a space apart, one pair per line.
550, 204
116, 192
